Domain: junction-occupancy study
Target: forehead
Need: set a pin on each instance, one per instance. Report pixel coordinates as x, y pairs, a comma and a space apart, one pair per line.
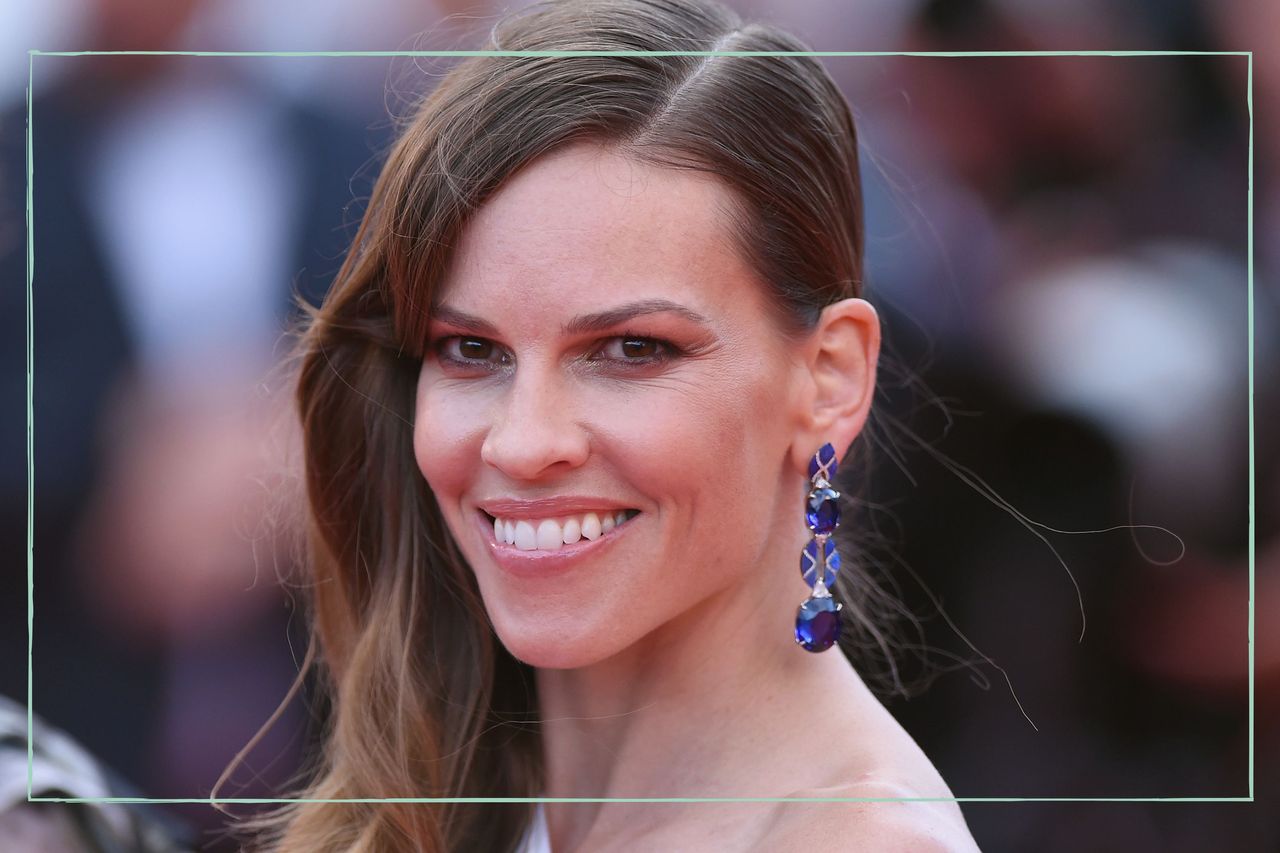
585, 221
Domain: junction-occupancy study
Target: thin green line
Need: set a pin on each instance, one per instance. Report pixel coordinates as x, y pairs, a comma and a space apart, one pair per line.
255, 800
31, 265
1252, 544
388, 53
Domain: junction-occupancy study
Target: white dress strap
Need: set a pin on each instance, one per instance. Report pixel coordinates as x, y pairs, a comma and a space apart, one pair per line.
536, 838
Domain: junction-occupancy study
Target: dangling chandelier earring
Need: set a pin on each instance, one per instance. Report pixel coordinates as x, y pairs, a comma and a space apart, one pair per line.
818, 619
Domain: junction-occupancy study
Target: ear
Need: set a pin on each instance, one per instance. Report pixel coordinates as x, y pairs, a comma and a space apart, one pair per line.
840, 362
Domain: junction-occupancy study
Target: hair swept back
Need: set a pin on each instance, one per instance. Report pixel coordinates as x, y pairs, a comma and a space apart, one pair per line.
425, 701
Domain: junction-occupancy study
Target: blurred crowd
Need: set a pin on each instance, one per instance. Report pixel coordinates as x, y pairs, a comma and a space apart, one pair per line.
1058, 246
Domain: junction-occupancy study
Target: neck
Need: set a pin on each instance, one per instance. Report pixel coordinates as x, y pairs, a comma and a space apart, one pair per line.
685, 712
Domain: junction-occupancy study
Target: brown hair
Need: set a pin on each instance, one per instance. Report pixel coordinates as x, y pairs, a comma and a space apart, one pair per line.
425, 700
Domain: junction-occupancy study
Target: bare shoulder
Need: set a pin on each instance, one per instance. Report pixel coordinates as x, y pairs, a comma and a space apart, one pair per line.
919, 826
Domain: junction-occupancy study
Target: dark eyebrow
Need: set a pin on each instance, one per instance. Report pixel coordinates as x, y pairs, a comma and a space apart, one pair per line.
463, 320
616, 316
578, 325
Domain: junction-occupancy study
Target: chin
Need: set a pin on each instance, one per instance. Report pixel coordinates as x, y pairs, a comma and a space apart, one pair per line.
546, 647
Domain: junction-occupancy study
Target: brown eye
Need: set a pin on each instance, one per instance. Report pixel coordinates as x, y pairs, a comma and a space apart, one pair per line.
639, 347
637, 351
470, 352
474, 348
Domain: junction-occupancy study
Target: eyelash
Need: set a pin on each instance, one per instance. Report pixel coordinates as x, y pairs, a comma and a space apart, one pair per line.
668, 352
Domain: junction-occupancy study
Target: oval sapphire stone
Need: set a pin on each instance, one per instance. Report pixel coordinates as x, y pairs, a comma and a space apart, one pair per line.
818, 624
809, 563
822, 512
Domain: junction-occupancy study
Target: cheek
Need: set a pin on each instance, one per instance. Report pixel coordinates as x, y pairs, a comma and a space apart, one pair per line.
665, 443
700, 441
441, 444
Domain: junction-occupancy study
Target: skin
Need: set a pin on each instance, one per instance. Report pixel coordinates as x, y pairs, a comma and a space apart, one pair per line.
669, 669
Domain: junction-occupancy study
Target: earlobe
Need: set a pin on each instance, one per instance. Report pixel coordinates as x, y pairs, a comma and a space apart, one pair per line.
841, 360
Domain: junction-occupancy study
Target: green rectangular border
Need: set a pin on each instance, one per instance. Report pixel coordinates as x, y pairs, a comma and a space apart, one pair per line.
31, 54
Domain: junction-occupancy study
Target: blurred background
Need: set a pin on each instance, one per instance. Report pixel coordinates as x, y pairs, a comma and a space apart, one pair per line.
1057, 245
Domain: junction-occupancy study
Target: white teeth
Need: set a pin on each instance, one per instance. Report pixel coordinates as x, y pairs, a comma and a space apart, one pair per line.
550, 534
526, 539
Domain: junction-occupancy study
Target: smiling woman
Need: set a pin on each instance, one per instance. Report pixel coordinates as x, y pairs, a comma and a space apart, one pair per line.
567, 417
561, 410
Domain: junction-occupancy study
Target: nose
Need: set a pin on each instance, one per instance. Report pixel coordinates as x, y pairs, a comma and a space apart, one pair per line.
534, 428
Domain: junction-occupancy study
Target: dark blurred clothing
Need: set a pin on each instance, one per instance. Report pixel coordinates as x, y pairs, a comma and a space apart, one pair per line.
86, 679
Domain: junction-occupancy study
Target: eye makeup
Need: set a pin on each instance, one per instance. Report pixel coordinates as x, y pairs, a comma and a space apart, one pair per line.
634, 350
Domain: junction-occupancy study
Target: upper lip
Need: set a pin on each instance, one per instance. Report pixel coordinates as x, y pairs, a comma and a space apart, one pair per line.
547, 507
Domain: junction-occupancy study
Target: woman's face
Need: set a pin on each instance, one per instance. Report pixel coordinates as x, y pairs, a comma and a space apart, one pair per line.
599, 347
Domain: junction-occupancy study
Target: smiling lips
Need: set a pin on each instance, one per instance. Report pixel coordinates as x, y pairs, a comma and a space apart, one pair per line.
551, 534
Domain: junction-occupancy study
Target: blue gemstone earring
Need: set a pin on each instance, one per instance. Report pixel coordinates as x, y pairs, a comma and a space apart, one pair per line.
818, 619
